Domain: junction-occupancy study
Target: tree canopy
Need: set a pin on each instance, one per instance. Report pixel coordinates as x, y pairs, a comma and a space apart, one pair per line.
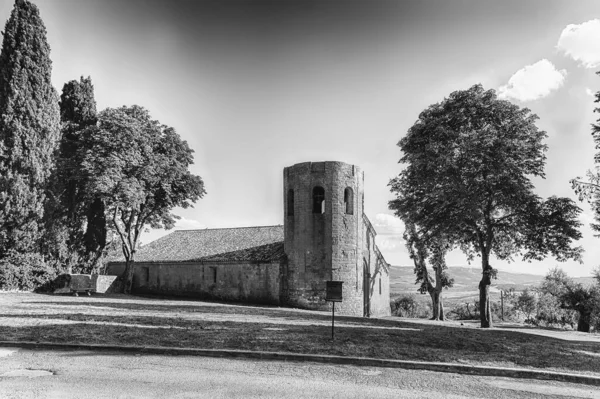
29, 128
139, 168
72, 217
590, 189
468, 162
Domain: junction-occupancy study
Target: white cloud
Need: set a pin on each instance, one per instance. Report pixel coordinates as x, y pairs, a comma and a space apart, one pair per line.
582, 43
388, 224
533, 82
188, 224
589, 92
385, 244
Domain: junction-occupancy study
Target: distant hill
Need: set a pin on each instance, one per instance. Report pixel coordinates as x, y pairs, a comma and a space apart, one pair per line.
466, 279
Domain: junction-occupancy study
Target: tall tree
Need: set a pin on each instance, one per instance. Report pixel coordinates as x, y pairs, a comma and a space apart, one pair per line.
139, 168
76, 223
423, 250
29, 128
468, 162
590, 189
585, 300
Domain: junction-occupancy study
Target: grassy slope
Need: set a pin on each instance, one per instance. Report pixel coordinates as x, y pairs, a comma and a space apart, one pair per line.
152, 322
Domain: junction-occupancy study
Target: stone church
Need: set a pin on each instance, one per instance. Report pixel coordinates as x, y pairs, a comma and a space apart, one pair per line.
325, 236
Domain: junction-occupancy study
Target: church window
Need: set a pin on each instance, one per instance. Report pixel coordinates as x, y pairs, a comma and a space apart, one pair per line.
290, 202
379, 285
349, 201
318, 200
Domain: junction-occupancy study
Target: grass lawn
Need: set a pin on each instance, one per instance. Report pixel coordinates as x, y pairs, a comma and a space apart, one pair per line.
128, 320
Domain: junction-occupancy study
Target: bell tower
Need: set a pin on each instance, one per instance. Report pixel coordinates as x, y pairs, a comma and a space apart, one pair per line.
324, 229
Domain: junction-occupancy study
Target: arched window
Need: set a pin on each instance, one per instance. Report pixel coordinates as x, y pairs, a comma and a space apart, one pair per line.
349, 201
318, 200
290, 202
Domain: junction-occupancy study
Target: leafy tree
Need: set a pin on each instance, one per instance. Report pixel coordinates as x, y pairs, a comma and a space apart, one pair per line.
585, 300
29, 128
421, 250
468, 161
139, 169
590, 189
526, 303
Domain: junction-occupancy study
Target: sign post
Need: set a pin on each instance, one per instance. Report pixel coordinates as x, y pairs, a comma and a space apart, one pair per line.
333, 294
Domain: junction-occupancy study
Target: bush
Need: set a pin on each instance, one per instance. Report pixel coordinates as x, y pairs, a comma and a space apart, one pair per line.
25, 272
409, 306
550, 313
527, 304
466, 311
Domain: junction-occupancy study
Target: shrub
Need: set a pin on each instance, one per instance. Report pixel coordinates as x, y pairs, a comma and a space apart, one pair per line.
25, 271
550, 313
466, 311
527, 304
409, 306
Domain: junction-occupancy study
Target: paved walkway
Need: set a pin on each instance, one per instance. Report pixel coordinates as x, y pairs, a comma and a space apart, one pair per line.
296, 357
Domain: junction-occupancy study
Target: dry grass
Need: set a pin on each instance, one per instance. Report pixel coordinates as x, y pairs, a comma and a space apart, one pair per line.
154, 322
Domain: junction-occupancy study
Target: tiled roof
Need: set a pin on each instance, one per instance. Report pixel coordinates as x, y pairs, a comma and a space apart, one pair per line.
258, 244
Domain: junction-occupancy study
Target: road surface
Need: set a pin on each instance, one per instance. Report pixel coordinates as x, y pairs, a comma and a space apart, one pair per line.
84, 374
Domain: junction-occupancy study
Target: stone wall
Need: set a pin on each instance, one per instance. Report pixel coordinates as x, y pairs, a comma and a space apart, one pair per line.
323, 246
106, 284
247, 282
376, 276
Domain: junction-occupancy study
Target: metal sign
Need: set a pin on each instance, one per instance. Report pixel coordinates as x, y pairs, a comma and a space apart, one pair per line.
333, 292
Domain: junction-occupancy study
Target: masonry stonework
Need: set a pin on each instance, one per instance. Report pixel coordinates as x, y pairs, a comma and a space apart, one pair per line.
235, 281
330, 243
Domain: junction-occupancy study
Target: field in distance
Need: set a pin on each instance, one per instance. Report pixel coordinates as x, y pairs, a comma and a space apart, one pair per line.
466, 281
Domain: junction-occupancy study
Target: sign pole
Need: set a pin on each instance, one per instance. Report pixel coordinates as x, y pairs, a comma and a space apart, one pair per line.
332, 320
333, 294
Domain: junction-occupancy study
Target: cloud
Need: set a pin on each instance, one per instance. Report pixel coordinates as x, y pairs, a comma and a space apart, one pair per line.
581, 43
589, 92
533, 82
388, 224
188, 224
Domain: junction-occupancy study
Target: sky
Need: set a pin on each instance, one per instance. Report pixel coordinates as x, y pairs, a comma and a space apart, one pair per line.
255, 86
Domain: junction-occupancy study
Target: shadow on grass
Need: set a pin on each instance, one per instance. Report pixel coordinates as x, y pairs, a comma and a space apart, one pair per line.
230, 309
432, 343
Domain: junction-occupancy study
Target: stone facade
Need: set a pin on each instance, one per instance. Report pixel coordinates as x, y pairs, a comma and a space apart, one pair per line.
234, 281
325, 236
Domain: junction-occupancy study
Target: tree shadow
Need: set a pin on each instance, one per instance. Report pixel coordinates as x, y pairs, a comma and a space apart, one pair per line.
432, 343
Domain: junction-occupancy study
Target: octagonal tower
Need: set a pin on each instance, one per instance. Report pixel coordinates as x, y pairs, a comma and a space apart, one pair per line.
323, 224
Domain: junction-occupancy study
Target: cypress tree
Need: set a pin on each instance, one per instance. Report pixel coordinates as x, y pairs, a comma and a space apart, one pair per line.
29, 128
77, 226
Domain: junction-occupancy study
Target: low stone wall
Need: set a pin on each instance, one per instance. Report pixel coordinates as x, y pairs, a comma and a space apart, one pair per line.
101, 284
106, 284
243, 281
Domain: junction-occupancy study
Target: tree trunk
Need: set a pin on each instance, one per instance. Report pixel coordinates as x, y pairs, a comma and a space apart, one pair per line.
485, 313
438, 306
583, 324
128, 276
435, 305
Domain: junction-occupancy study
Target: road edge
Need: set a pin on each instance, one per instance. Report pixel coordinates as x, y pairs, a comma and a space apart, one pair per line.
330, 359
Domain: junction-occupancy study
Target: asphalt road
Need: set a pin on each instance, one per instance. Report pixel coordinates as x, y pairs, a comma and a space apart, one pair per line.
85, 374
